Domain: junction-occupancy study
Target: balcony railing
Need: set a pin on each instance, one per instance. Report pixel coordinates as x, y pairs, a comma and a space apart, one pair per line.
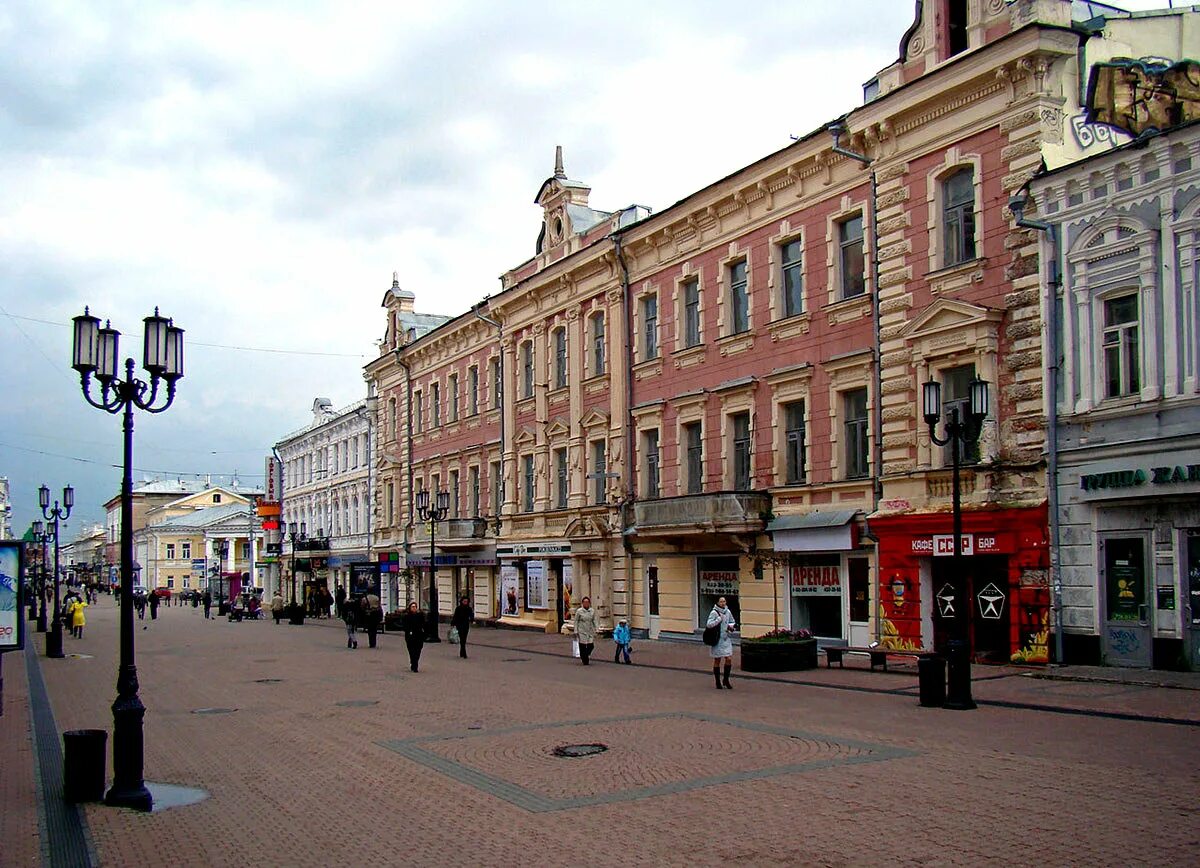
727, 512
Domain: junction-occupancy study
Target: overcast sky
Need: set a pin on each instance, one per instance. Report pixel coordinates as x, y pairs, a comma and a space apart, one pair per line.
259, 170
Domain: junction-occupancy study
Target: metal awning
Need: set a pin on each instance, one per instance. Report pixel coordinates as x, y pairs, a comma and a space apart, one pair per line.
817, 531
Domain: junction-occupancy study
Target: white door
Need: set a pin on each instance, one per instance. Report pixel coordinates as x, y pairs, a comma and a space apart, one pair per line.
927, 603
652, 617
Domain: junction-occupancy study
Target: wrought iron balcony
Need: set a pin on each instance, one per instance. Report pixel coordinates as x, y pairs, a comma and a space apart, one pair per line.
722, 512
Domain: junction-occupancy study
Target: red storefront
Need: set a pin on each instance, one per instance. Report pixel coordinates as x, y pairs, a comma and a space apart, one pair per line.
1007, 558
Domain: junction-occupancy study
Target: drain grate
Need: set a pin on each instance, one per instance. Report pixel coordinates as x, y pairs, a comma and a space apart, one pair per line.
267, 680
213, 710
572, 751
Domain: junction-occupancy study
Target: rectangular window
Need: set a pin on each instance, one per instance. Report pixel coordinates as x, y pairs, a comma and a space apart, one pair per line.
527, 369
739, 299
186, 554
527, 483
851, 262
472, 390
793, 441
560, 359
560, 479
958, 217
956, 401
791, 267
245, 551
454, 494
436, 401
599, 470
956, 27
418, 411
854, 406
393, 433
653, 474
497, 481
598, 349
391, 504
741, 452
453, 383
1122, 375
650, 327
473, 476
693, 436
497, 384
170, 551
691, 313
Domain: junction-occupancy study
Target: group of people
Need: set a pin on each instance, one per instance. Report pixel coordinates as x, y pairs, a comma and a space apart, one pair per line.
73, 618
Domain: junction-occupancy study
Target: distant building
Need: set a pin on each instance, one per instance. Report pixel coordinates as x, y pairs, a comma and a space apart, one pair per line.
5, 510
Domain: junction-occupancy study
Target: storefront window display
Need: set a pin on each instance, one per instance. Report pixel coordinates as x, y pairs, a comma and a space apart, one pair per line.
510, 589
717, 577
816, 585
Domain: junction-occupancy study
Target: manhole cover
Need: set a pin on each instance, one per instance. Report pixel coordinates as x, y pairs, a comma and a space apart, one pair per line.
515, 660
357, 703
267, 680
213, 710
578, 750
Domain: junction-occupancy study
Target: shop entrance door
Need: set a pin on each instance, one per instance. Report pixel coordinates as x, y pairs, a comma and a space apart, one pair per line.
1191, 603
858, 572
991, 615
652, 603
1126, 614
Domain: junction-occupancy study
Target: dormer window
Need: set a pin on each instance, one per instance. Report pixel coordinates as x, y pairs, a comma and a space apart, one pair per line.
216, 498
956, 27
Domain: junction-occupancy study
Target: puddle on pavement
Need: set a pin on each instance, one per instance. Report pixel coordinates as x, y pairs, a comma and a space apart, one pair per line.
168, 796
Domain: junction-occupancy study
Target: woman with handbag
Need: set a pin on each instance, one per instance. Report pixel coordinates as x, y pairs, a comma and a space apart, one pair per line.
585, 629
460, 625
722, 652
413, 625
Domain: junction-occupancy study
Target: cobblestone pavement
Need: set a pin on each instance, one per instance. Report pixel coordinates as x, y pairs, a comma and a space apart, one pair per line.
319, 755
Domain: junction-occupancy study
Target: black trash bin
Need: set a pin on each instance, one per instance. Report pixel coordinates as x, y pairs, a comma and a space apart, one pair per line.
84, 764
931, 676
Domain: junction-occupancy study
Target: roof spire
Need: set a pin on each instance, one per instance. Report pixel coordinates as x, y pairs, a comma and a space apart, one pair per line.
395, 280
558, 163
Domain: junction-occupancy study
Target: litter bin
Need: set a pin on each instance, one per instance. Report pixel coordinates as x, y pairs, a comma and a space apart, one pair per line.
931, 676
84, 764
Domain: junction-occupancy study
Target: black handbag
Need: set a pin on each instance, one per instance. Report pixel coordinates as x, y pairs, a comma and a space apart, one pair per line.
712, 635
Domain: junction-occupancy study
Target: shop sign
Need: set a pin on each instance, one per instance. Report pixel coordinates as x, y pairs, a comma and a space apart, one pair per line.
816, 581
533, 550
536, 592
942, 544
718, 582
991, 602
450, 561
509, 580
1168, 475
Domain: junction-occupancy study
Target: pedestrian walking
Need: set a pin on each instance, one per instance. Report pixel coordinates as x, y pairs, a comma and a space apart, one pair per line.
350, 616
585, 629
340, 599
413, 625
623, 640
327, 602
139, 603
461, 621
721, 617
77, 619
372, 614
277, 606
154, 600
207, 603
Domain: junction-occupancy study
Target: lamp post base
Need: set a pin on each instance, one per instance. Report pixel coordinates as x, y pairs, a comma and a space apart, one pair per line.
136, 797
128, 789
54, 641
958, 693
41, 622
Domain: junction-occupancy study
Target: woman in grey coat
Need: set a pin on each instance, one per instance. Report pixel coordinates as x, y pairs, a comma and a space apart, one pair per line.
723, 650
585, 629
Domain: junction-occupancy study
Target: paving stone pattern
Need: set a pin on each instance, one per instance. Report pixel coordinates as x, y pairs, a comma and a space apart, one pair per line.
302, 773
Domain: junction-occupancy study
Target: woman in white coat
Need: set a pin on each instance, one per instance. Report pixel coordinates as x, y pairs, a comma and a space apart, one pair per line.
723, 650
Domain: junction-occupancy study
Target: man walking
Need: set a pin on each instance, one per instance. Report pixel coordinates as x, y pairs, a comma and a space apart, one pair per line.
277, 606
207, 603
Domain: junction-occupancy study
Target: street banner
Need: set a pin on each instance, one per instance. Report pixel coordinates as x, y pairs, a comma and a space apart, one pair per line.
364, 579
568, 577
536, 592
509, 582
274, 487
12, 597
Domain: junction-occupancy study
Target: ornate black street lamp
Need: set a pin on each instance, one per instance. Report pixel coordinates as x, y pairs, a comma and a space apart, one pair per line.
222, 553
433, 514
42, 537
95, 352
53, 515
295, 612
959, 433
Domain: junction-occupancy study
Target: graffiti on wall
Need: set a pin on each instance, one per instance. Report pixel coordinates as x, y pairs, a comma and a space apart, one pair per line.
1142, 95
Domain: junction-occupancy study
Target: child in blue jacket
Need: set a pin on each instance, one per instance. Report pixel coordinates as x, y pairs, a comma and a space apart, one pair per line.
622, 639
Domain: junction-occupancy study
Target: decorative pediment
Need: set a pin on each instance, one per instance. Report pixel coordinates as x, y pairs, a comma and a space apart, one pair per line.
947, 315
558, 427
586, 526
594, 419
526, 436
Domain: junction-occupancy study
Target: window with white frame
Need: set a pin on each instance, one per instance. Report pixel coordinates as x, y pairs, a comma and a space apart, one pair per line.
497, 482
691, 312
1122, 374
170, 551
452, 384
851, 261
560, 358
473, 477
392, 432
650, 326
497, 383
455, 494
435, 404
186, 552
599, 470
527, 483
958, 217
653, 463
739, 298
599, 350
793, 442
561, 479
472, 390
854, 414
527, 369
741, 451
791, 273
693, 438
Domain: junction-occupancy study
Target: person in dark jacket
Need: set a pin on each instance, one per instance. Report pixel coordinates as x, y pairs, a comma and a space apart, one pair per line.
372, 615
461, 621
154, 601
207, 602
413, 625
350, 614
340, 599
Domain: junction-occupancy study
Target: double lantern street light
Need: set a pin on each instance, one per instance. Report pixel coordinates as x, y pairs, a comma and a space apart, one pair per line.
293, 537
959, 434
53, 515
41, 535
432, 513
95, 353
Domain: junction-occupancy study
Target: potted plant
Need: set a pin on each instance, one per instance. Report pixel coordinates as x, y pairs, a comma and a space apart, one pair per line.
780, 651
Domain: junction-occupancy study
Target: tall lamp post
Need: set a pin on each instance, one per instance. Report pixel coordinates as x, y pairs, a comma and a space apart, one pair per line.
42, 537
53, 515
959, 433
222, 553
293, 537
433, 514
95, 352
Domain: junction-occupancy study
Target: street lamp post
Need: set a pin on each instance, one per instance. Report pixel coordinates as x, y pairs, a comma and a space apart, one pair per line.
95, 351
433, 514
222, 553
42, 537
959, 433
293, 538
53, 515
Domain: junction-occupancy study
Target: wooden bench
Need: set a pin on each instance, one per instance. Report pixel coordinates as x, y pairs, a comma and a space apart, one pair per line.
879, 655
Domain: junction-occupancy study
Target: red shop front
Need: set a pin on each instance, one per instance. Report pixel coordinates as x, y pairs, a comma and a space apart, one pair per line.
1006, 558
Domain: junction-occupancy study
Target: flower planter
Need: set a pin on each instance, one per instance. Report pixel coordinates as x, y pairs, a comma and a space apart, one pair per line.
779, 656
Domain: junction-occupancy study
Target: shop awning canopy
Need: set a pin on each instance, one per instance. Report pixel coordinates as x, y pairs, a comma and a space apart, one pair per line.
818, 531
